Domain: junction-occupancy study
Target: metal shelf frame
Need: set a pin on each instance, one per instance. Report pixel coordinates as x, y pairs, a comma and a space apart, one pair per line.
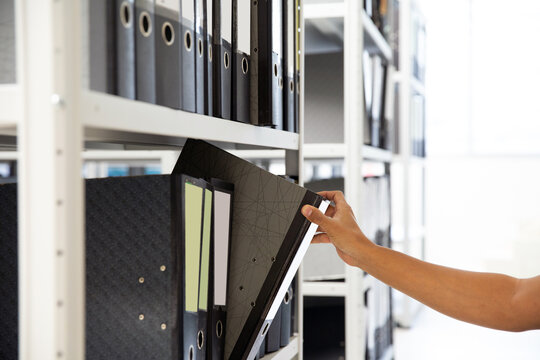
49, 115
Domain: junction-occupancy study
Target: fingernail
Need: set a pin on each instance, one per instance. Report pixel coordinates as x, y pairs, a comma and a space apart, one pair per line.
306, 210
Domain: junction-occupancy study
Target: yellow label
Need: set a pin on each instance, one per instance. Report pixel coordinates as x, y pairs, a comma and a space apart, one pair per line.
205, 255
193, 216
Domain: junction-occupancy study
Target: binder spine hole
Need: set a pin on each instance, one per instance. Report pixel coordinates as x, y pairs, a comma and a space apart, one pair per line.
200, 47
265, 330
241, 288
219, 329
273, 259
253, 304
187, 40
191, 353
291, 86
287, 297
210, 53
125, 14
200, 339
226, 60
280, 82
275, 70
167, 33
244, 65
254, 259
145, 24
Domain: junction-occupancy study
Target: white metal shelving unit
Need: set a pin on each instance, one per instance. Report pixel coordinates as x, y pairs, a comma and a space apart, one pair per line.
50, 116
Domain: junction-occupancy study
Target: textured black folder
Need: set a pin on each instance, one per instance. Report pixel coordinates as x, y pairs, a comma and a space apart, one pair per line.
145, 59
208, 54
8, 273
200, 51
266, 85
222, 34
288, 73
8, 62
273, 337
241, 50
187, 54
168, 37
285, 331
269, 238
102, 49
125, 50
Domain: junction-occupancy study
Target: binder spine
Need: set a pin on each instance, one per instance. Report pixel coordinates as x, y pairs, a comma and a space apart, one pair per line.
288, 73
200, 51
226, 59
125, 59
7, 42
187, 53
240, 71
208, 54
145, 59
275, 33
102, 51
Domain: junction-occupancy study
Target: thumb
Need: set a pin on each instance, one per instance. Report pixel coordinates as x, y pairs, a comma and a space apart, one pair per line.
315, 216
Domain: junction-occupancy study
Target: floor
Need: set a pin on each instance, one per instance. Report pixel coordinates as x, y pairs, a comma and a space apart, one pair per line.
436, 336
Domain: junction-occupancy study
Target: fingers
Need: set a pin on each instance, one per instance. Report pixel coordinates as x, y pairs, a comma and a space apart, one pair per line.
316, 216
330, 211
336, 196
321, 238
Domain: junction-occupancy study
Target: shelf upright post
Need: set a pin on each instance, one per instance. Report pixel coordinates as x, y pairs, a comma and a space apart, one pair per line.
51, 202
353, 126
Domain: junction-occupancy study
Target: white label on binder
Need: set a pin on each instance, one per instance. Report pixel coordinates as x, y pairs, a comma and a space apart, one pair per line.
226, 20
169, 4
199, 15
222, 208
188, 10
290, 37
209, 11
244, 26
277, 29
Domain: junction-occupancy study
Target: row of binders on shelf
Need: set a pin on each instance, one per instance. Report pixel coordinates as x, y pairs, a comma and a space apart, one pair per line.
418, 125
232, 59
192, 265
379, 102
418, 48
385, 16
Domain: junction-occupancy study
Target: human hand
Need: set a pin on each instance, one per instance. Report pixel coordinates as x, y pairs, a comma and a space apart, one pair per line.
338, 227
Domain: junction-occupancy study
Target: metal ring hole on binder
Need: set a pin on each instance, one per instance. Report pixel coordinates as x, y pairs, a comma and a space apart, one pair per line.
210, 53
200, 47
265, 330
219, 329
200, 339
226, 60
291, 86
287, 297
145, 24
191, 353
275, 70
167, 33
280, 82
187, 40
244, 65
125, 14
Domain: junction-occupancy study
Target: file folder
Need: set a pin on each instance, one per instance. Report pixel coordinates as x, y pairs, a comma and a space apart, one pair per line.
187, 54
222, 34
267, 75
208, 65
168, 36
200, 51
102, 49
125, 50
285, 327
269, 239
241, 51
288, 74
273, 337
145, 59
204, 283
219, 267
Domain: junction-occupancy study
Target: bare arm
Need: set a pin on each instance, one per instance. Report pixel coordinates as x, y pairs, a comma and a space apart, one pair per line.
491, 300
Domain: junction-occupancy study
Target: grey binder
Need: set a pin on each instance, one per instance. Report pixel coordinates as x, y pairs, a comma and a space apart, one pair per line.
200, 52
7, 42
102, 46
208, 65
145, 58
273, 337
267, 74
241, 50
286, 314
125, 50
187, 54
288, 73
168, 41
222, 34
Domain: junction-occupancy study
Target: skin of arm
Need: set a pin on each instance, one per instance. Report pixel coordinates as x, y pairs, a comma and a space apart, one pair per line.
486, 299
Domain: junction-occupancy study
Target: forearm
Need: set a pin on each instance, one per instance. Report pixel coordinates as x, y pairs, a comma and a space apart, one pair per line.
480, 298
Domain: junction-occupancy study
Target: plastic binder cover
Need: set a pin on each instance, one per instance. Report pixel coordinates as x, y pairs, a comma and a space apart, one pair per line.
269, 239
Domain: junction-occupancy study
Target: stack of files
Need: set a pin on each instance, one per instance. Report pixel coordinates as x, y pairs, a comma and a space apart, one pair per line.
7, 42
279, 333
379, 321
269, 239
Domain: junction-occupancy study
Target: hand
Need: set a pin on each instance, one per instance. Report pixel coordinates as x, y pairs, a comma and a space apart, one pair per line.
338, 227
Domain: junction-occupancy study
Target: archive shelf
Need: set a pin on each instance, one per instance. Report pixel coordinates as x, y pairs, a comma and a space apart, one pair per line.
286, 353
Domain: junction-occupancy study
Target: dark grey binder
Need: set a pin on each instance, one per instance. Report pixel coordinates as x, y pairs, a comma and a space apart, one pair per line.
286, 313
187, 54
200, 51
273, 337
269, 239
8, 63
288, 73
297, 65
168, 38
102, 49
145, 58
241, 50
267, 73
222, 34
125, 50
208, 54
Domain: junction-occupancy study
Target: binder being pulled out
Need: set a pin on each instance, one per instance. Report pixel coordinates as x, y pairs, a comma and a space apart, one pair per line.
269, 239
